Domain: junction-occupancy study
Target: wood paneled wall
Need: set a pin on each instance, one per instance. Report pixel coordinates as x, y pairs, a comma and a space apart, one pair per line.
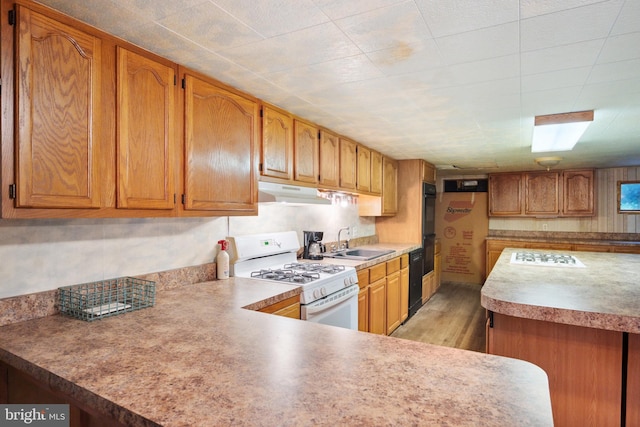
607, 219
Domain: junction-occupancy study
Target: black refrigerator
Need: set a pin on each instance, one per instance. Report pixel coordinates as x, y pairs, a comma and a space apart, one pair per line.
421, 263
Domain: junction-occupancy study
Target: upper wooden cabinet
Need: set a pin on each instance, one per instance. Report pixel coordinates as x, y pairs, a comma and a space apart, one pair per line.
329, 159
221, 138
505, 194
306, 152
428, 173
389, 186
578, 197
376, 173
348, 164
58, 91
146, 135
277, 144
363, 179
541, 193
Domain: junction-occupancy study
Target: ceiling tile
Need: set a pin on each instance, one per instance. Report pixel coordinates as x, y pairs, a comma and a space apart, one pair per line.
561, 57
395, 27
569, 26
531, 8
617, 48
336, 9
408, 59
628, 19
155, 9
446, 18
309, 46
475, 45
274, 17
622, 70
555, 79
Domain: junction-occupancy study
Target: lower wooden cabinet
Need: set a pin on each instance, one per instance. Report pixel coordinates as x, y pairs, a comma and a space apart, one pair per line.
289, 307
378, 307
428, 286
17, 387
363, 310
404, 287
393, 295
583, 365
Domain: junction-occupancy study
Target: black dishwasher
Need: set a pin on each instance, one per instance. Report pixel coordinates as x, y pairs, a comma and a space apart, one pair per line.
415, 281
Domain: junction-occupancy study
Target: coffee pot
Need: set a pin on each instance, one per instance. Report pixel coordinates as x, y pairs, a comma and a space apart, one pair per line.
313, 247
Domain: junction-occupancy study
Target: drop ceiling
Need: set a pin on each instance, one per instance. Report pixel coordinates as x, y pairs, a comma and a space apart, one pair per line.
457, 83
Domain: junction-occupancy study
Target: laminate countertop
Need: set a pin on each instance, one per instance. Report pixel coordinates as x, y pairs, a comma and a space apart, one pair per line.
604, 294
199, 358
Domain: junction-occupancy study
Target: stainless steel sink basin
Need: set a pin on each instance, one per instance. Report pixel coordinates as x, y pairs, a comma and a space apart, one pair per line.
359, 254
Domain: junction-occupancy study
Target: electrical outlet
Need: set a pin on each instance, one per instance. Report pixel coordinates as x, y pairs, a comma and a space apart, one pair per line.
354, 231
544, 227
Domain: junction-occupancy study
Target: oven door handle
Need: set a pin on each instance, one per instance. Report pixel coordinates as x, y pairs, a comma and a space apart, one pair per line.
326, 302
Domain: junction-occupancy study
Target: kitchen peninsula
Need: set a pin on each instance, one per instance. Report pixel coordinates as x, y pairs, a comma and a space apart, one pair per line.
580, 324
199, 358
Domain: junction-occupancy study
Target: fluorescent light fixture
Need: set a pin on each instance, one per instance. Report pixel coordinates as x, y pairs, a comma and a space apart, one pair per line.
559, 132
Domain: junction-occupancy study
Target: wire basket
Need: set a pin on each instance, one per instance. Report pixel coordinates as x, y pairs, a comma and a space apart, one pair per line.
97, 300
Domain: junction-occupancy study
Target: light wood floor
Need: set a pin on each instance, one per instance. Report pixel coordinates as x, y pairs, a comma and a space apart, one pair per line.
453, 317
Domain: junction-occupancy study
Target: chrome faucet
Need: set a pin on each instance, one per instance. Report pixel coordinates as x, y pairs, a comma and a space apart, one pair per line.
347, 241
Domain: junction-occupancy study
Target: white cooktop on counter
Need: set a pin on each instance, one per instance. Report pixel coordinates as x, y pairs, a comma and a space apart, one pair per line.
545, 259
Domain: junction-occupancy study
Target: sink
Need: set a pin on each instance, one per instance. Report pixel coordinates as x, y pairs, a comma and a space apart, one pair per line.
359, 254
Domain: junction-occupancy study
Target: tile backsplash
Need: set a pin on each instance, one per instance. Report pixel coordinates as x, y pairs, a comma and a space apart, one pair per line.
41, 255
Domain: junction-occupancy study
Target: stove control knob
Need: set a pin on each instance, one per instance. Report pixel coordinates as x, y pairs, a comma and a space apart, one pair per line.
323, 291
316, 293
348, 281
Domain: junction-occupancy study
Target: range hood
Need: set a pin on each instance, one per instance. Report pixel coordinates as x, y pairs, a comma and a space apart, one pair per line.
269, 192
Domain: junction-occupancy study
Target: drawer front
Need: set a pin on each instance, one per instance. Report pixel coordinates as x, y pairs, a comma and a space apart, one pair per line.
377, 272
393, 265
404, 261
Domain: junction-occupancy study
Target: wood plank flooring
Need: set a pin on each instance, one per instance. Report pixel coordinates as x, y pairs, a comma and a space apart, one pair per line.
453, 317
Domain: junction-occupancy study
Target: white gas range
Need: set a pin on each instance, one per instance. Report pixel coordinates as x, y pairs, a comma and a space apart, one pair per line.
545, 259
329, 292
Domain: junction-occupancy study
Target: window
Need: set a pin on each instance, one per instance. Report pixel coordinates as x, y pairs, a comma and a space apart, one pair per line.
628, 196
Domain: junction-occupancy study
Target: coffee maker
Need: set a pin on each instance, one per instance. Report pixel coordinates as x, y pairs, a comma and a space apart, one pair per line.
313, 247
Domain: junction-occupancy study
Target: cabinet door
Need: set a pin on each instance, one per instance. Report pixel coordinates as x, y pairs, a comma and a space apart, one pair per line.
378, 307
146, 139
428, 173
277, 144
376, 173
393, 302
348, 164
363, 180
306, 166
363, 310
329, 159
221, 133
58, 75
505, 194
578, 193
389, 186
404, 294
541, 193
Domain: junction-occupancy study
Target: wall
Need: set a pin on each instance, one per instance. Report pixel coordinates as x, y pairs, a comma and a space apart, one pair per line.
39, 255
607, 219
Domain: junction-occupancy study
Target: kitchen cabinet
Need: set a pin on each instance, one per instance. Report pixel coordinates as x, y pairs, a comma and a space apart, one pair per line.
633, 380
569, 193
428, 173
541, 193
404, 287
567, 353
277, 144
578, 192
437, 265
58, 145
363, 180
428, 286
306, 152
221, 140
348, 164
329, 160
376, 173
389, 186
363, 300
378, 299
289, 307
505, 194
17, 387
146, 139
394, 301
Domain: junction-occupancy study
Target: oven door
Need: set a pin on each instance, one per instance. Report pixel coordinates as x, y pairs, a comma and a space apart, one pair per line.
338, 309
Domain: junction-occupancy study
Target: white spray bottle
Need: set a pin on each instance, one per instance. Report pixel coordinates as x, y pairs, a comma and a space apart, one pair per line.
222, 261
